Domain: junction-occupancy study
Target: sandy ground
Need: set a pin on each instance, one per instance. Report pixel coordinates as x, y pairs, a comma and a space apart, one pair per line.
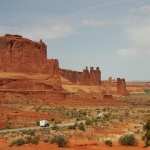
73, 146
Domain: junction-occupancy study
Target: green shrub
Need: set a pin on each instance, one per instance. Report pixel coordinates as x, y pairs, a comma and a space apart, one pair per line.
78, 119
55, 127
60, 140
72, 127
81, 126
25, 140
128, 139
29, 132
32, 139
18, 142
147, 126
147, 134
88, 122
147, 91
38, 123
108, 142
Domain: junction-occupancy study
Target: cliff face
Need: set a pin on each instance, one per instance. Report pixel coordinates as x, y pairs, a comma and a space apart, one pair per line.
53, 66
21, 55
18, 54
86, 77
121, 87
24, 66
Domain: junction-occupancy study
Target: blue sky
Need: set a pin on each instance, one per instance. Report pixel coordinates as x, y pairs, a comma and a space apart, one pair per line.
111, 34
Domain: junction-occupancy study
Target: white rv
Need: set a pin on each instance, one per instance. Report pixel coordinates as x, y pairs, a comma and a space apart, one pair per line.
43, 123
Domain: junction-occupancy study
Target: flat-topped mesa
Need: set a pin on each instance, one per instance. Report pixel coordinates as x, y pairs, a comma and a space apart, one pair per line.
18, 54
86, 77
121, 87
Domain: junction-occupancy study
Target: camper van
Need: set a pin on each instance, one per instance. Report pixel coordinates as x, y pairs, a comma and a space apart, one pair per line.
44, 123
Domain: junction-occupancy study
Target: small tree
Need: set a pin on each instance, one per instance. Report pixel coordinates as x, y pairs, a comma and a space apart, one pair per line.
128, 139
32, 139
17, 142
89, 122
147, 133
55, 127
29, 132
81, 126
60, 140
109, 143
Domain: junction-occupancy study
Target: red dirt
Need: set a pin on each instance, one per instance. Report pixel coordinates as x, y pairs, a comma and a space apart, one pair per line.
74, 145
25, 118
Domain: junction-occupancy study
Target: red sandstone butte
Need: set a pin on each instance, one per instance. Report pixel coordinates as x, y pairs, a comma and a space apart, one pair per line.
86, 77
24, 65
121, 87
18, 54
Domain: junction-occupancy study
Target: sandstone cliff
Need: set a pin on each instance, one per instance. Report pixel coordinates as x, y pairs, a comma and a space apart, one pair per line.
24, 67
18, 54
86, 77
21, 59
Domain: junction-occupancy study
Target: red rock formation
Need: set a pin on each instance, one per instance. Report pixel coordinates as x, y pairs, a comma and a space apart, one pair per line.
121, 87
95, 75
72, 76
86, 77
18, 54
21, 55
53, 67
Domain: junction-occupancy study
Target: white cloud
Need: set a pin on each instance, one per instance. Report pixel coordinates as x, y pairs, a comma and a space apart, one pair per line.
51, 31
94, 23
138, 40
139, 36
54, 29
142, 10
47, 30
145, 9
137, 32
127, 52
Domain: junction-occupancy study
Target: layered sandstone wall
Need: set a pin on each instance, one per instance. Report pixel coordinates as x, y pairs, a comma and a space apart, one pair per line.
86, 77
53, 66
18, 54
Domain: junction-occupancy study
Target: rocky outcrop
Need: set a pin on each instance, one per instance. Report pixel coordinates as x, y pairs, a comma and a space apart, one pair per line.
25, 69
95, 75
86, 77
121, 87
18, 54
53, 66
